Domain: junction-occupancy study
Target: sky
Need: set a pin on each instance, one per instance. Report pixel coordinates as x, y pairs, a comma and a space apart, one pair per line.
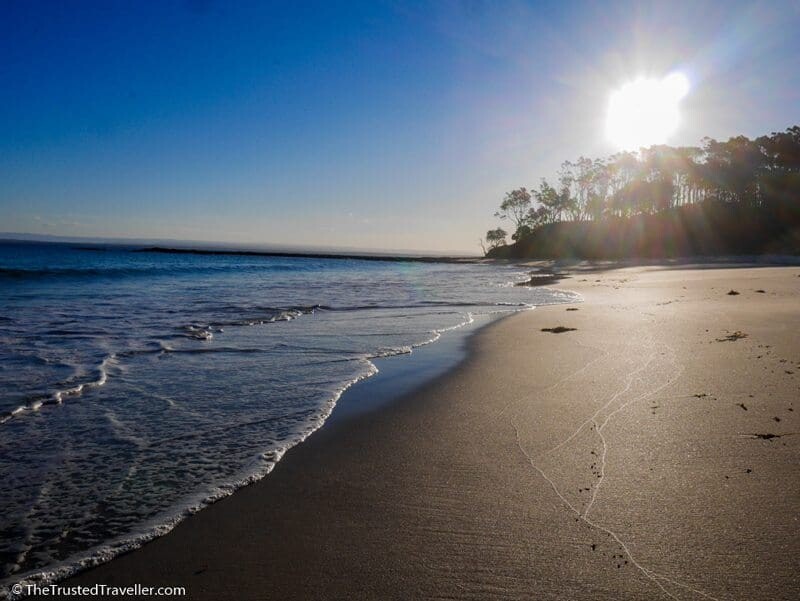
374, 125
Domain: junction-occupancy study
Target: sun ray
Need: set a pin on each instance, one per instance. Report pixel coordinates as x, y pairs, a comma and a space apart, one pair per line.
645, 111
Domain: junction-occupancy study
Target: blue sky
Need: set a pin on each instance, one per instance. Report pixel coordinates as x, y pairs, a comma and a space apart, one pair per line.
372, 125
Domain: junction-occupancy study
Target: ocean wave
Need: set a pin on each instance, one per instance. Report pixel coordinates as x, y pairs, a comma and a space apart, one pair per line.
205, 332
278, 315
258, 468
198, 332
288, 379
59, 395
421, 304
9, 273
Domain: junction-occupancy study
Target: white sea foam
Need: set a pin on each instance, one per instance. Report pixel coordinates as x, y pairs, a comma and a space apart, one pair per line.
258, 468
177, 416
58, 397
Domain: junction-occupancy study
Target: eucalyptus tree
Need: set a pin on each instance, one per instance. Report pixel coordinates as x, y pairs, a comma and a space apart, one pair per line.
515, 207
496, 238
764, 172
549, 200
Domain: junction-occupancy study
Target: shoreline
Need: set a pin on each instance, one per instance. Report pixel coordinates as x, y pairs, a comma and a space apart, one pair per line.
337, 499
391, 377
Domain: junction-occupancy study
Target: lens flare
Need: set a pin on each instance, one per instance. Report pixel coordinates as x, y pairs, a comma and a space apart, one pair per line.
645, 111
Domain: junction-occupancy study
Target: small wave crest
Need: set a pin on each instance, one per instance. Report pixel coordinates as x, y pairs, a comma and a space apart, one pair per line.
59, 395
258, 468
284, 385
19, 273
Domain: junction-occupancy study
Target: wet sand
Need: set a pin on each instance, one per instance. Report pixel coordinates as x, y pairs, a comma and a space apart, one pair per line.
652, 452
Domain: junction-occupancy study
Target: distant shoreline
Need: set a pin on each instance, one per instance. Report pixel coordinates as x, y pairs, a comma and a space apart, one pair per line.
234, 248
302, 255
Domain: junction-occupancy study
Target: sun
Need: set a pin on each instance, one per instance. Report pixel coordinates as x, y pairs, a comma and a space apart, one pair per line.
645, 111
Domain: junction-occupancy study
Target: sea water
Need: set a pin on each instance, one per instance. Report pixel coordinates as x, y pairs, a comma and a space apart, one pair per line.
137, 387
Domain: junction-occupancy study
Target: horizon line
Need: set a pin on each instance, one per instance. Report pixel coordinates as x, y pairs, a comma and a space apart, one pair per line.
182, 244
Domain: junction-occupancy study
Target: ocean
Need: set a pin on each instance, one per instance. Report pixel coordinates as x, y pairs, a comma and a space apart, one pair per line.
137, 387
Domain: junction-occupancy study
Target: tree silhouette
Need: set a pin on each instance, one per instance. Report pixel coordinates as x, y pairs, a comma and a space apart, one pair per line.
496, 237
515, 207
760, 175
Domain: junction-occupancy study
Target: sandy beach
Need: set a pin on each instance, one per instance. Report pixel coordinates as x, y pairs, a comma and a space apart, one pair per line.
651, 451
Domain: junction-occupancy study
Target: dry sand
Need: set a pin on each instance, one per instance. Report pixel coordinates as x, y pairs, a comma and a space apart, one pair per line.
630, 458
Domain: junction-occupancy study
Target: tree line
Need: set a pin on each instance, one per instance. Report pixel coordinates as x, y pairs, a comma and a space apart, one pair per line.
763, 173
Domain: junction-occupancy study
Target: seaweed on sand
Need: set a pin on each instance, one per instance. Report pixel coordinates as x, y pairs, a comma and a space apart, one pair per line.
559, 329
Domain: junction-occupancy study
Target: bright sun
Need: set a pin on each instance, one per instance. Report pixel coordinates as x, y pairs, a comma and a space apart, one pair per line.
645, 112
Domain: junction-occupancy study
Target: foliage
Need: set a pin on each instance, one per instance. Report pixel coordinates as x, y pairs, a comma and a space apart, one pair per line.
496, 238
762, 174
515, 207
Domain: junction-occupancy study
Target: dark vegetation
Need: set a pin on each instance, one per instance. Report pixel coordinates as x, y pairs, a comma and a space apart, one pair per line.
736, 197
559, 329
737, 335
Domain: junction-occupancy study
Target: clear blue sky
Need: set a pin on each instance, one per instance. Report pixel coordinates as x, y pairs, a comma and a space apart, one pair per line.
376, 125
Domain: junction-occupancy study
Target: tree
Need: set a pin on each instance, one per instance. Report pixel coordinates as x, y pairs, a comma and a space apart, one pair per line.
538, 216
549, 202
515, 206
624, 171
496, 238
567, 199
583, 176
760, 175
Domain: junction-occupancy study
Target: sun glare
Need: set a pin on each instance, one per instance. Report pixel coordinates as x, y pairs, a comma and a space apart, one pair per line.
645, 111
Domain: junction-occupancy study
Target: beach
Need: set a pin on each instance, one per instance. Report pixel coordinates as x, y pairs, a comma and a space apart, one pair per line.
171, 380
651, 452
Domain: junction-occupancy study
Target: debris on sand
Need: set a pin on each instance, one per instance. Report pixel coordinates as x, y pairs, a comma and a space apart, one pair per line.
742, 405
737, 335
769, 435
700, 395
572, 308
761, 291
732, 293
559, 329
